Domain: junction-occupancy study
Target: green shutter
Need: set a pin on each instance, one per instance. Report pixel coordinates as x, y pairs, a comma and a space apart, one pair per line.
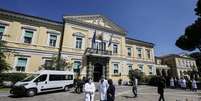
29, 34
2, 29
22, 62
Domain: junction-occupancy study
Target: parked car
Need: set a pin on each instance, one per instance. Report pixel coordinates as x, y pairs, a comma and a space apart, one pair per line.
43, 81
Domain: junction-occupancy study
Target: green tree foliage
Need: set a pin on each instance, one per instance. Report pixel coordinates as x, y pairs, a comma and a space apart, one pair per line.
3, 64
191, 39
53, 64
197, 57
136, 73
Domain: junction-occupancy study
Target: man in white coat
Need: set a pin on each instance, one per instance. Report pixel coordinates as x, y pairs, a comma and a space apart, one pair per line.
103, 89
89, 90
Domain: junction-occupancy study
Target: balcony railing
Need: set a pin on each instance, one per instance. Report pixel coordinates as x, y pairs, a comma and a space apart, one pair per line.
97, 51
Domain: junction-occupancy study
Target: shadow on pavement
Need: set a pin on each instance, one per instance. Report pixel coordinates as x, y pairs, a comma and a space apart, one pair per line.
50, 92
127, 97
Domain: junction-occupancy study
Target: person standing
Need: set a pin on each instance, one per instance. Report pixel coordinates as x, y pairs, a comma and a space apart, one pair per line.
135, 83
183, 83
89, 90
172, 83
161, 86
194, 85
110, 91
103, 89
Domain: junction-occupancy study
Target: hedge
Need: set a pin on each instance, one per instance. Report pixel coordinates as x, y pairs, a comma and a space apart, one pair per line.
13, 77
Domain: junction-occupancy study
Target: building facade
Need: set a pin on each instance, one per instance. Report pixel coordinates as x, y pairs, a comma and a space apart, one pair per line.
161, 68
96, 45
179, 65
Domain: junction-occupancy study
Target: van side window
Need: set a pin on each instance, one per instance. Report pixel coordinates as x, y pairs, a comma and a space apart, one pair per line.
41, 78
60, 77
56, 77
69, 77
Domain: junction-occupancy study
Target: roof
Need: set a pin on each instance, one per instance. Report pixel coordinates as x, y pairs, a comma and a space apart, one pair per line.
78, 19
29, 17
176, 56
138, 42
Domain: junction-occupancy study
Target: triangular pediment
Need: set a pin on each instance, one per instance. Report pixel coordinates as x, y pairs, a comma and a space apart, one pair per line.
97, 20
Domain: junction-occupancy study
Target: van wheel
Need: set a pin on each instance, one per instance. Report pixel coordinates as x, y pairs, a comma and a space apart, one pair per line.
31, 92
66, 88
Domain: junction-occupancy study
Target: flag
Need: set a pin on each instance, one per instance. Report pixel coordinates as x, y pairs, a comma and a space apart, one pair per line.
110, 41
93, 40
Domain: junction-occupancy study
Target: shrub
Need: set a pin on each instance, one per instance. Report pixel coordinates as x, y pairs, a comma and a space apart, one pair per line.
13, 77
153, 80
120, 82
136, 73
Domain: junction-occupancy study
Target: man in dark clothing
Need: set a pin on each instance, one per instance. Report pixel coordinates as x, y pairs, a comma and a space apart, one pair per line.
134, 89
110, 91
161, 86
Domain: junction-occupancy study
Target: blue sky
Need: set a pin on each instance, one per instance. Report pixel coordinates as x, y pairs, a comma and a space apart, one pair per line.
158, 21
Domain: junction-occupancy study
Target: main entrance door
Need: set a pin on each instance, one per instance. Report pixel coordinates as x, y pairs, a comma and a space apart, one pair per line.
98, 72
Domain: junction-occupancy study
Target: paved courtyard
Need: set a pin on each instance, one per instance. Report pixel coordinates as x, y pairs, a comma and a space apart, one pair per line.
146, 93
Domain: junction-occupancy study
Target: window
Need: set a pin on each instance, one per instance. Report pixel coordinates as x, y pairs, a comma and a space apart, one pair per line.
141, 67
139, 52
130, 67
54, 77
41, 78
129, 51
150, 70
76, 67
100, 45
2, 29
48, 63
52, 40
148, 53
78, 42
115, 48
21, 64
28, 36
115, 68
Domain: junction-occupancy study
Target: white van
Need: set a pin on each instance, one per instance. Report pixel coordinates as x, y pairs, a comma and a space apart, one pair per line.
43, 81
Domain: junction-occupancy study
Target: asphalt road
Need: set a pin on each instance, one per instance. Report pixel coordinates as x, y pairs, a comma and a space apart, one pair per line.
123, 93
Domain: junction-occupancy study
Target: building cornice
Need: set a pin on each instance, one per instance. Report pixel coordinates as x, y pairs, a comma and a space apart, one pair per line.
138, 42
16, 15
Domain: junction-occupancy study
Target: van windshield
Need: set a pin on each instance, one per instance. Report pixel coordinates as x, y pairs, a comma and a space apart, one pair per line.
30, 77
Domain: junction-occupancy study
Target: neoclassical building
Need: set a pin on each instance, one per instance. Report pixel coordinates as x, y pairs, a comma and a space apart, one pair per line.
179, 65
96, 45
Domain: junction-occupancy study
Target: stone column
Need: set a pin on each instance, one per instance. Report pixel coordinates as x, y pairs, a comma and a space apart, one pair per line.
104, 71
90, 70
107, 70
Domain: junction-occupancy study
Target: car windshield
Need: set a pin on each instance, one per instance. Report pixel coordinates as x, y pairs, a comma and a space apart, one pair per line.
30, 77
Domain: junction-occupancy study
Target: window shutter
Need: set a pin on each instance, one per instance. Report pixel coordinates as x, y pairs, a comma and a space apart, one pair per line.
22, 62
2, 29
29, 34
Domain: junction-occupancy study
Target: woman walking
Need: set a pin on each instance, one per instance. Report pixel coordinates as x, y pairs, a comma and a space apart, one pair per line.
110, 91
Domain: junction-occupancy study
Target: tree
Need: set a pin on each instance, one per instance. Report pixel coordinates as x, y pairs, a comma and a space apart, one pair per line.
136, 73
3, 64
191, 39
197, 57
53, 63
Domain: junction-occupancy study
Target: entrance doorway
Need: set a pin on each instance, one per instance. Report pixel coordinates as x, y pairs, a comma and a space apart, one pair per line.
98, 72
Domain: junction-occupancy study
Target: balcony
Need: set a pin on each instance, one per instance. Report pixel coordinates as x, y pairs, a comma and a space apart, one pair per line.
93, 51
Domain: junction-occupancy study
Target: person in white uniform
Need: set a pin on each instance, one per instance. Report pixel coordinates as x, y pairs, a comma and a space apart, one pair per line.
103, 89
194, 85
89, 90
172, 82
183, 83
